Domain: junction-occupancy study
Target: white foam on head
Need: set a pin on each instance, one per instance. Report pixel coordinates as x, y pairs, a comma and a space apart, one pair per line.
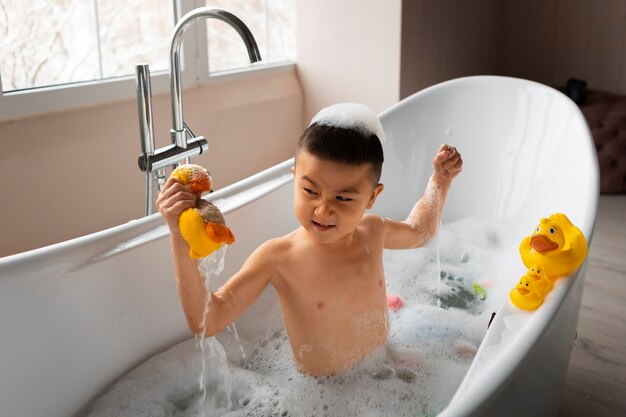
351, 116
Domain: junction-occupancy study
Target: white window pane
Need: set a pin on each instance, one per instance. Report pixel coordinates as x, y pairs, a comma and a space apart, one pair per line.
134, 31
38, 43
51, 42
282, 30
272, 22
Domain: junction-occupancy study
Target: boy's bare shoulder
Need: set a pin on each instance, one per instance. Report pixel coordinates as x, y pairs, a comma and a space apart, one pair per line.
373, 221
275, 246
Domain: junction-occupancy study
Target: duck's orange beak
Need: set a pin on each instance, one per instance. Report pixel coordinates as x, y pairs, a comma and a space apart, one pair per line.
542, 244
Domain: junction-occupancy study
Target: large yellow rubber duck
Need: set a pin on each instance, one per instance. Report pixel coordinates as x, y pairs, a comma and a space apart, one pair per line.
556, 245
203, 227
531, 289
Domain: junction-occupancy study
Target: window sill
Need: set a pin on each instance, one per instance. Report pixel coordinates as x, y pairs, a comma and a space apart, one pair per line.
21, 104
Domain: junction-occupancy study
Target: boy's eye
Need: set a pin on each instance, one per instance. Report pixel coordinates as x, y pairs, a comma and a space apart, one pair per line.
341, 198
309, 191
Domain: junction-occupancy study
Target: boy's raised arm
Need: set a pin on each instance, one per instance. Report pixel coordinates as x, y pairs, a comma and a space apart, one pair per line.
421, 224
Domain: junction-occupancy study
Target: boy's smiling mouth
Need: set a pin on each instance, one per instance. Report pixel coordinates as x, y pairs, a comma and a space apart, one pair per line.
322, 227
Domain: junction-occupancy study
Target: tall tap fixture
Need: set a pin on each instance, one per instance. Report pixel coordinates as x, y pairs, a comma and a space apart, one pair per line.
178, 131
185, 144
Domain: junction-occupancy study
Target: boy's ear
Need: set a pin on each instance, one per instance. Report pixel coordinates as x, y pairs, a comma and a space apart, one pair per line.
293, 170
375, 193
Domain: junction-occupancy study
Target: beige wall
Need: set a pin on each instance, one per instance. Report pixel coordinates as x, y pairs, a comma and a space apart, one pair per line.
70, 173
552, 40
349, 50
447, 39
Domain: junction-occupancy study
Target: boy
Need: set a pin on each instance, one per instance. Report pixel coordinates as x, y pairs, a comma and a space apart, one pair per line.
328, 273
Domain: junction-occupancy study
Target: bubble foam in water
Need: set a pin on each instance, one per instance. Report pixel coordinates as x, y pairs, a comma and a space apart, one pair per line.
415, 373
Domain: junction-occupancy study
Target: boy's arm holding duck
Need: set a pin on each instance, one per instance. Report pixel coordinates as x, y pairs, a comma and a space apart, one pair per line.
234, 297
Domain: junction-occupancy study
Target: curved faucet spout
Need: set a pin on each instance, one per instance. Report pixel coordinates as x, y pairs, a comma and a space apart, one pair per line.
178, 131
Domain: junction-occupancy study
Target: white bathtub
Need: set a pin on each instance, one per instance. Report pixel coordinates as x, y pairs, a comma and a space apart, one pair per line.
77, 315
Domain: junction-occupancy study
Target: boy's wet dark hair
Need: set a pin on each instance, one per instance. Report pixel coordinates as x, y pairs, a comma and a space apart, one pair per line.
338, 144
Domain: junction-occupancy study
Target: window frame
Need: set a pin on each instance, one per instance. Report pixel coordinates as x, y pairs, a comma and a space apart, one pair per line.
194, 72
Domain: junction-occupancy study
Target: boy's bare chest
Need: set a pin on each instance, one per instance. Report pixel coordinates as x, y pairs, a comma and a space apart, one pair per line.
334, 307
331, 282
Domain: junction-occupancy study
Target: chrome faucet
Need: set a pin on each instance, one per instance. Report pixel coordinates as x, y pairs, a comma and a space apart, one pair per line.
185, 144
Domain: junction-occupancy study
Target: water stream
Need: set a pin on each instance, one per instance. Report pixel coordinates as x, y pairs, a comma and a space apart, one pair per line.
218, 400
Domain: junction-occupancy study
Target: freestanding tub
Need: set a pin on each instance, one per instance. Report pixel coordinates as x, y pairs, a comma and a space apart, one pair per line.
77, 315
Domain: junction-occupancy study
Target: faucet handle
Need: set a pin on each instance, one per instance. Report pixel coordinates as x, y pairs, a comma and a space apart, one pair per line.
172, 155
188, 130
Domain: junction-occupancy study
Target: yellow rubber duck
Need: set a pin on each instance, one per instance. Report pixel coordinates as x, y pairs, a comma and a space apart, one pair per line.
526, 294
556, 245
531, 289
203, 227
538, 275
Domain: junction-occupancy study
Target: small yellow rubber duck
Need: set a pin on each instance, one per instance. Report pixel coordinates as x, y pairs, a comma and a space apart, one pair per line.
538, 275
531, 289
556, 245
526, 295
203, 227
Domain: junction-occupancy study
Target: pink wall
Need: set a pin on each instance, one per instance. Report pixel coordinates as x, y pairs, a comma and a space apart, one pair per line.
349, 50
74, 172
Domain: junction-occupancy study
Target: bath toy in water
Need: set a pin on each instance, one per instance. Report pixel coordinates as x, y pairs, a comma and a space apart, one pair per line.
394, 302
531, 289
556, 245
480, 291
203, 227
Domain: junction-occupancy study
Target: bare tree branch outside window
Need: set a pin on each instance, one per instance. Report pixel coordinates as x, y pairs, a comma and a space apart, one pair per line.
271, 21
52, 42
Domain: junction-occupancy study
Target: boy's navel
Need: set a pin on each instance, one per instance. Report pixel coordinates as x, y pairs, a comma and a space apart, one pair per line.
304, 348
320, 305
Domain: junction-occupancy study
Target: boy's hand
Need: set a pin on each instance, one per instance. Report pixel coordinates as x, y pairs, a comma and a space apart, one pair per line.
173, 200
447, 164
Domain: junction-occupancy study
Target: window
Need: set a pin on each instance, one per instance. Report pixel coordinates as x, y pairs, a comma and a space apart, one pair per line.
271, 21
74, 52
64, 41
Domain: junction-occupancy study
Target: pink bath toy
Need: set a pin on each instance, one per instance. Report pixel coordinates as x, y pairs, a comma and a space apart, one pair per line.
394, 302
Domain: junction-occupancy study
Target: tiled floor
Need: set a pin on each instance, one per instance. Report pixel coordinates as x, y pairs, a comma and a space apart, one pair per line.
596, 380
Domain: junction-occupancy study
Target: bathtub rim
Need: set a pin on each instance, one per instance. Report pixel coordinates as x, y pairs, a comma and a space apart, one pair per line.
92, 248
472, 396
476, 392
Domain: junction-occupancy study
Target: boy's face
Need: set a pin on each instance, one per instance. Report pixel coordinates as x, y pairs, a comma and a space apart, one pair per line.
331, 197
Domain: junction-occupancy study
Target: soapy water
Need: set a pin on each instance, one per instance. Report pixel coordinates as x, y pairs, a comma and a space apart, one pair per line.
212, 265
415, 373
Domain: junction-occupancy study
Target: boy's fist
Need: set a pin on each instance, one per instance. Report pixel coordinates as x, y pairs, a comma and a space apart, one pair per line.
447, 162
